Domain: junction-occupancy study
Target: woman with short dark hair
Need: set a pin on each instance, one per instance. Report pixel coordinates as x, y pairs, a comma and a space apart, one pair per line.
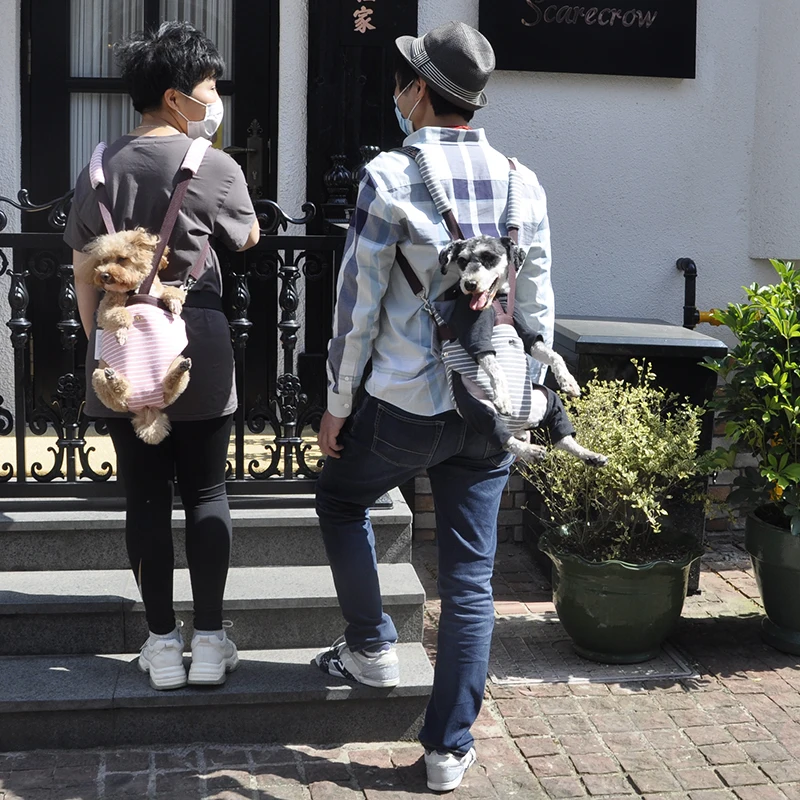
171, 77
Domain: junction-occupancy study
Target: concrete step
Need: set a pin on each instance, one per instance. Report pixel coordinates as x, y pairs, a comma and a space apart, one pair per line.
40, 535
275, 696
100, 611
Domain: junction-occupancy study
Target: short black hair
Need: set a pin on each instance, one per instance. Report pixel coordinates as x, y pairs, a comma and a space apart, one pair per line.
404, 74
176, 56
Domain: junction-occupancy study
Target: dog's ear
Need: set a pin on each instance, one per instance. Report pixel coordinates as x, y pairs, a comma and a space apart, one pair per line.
444, 257
141, 238
84, 270
519, 257
449, 253
96, 253
516, 255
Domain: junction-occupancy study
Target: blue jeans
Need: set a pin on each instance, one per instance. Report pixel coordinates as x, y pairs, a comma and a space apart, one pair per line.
383, 447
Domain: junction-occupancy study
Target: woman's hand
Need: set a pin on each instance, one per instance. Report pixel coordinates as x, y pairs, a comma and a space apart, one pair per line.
329, 430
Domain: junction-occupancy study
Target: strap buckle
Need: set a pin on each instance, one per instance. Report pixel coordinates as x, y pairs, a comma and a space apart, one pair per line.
431, 309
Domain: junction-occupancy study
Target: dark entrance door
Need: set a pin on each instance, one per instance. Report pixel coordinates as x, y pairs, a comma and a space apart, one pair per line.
350, 82
350, 119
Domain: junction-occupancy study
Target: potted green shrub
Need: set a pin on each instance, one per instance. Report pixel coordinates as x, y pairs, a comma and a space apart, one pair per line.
759, 401
620, 569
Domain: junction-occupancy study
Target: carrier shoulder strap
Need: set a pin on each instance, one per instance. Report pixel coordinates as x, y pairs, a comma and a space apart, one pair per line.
98, 181
189, 166
436, 190
513, 222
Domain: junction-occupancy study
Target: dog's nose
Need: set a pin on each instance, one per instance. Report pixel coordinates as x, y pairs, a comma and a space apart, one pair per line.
470, 286
106, 278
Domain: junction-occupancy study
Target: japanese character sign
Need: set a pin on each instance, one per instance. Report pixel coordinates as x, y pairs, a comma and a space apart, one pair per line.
363, 18
373, 23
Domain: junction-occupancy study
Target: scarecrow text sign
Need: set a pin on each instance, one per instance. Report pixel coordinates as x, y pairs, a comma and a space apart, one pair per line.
609, 37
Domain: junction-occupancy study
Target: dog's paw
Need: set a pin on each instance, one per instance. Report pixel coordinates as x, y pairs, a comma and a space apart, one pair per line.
121, 335
109, 373
570, 386
595, 460
503, 405
174, 305
185, 365
532, 453
525, 451
502, 397
564, 377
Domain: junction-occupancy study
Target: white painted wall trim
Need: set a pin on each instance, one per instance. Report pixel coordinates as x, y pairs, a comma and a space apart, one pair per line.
10, 168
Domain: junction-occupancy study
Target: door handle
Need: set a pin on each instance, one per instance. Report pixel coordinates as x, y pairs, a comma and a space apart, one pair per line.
254, 164
233, 150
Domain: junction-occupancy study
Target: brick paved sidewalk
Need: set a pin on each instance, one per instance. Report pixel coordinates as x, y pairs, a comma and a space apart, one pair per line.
734, 732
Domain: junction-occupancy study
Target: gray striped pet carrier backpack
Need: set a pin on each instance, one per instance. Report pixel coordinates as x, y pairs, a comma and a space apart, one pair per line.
506, 342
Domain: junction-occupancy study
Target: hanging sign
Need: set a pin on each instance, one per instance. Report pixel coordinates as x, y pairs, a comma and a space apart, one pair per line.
375, 23
609, 37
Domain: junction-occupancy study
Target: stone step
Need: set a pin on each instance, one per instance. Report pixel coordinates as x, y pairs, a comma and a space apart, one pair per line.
73, 701
100, 611
38, 535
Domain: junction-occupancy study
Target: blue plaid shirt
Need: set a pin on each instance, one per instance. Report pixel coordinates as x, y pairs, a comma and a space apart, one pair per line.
377, 315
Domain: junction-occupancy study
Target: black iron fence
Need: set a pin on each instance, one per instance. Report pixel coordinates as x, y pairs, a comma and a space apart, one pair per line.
279, 301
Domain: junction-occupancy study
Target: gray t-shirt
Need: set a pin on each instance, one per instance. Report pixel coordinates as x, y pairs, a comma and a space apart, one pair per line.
140, 175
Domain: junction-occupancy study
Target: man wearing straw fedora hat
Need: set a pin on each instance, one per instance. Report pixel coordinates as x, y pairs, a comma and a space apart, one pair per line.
403, 421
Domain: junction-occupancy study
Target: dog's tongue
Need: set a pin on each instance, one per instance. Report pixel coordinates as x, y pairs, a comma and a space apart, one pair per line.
479, 301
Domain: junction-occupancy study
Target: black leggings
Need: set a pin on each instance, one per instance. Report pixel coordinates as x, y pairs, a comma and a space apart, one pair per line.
195, 454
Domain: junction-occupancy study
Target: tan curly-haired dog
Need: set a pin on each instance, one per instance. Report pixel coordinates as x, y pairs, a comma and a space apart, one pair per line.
118, 263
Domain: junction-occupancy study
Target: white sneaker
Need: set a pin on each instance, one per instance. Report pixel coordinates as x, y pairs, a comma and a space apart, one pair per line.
162, 658
212, 657
446, 771
380, 669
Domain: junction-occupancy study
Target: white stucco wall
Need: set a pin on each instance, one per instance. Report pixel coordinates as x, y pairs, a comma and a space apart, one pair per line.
775, 185
292, 118
9, 169
639, 171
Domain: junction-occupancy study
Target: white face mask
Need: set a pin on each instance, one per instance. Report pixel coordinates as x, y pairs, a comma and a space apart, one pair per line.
405, 122
204, 128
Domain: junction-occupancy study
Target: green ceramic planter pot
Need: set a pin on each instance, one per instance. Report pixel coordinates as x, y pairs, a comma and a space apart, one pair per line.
617, 613
775, 554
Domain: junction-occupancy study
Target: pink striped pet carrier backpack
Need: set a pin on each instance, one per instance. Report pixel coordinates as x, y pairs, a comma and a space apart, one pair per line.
141, 335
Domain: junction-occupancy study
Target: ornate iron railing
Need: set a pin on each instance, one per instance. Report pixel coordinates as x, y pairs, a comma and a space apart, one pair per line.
279, 301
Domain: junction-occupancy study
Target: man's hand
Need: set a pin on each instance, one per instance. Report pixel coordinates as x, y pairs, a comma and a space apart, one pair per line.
329, 430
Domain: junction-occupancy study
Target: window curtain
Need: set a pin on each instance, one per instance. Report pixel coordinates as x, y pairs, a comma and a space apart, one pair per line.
95, 26
213, 17
98, 117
